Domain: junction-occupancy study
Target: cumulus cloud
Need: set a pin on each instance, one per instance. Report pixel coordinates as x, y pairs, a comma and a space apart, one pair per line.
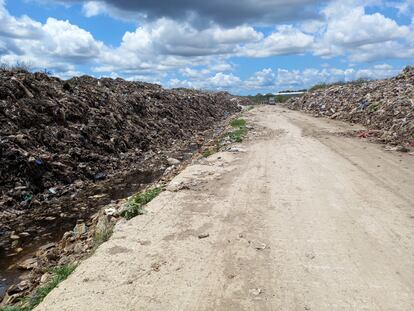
405, 7
285, 40
262, 79
274, 80
202, 41
297, 79
219, 81
166, 44
56, 45
349, 30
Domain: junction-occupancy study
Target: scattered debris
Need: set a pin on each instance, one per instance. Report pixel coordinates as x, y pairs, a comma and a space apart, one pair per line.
255, 291
172, 161
60, 139
259, 246
28, 264
204, 235
386, 107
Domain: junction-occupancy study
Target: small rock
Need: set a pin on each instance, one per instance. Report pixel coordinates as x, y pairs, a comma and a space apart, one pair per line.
45, 278
172, 161
28, 264
14, 289
14, 237
79, 230
46, 246
203, 236
98, 196
259, 246
15, 243
111, 211
256, 291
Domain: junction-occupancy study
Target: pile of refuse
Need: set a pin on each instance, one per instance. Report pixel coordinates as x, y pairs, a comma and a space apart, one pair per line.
55, 134
385, 106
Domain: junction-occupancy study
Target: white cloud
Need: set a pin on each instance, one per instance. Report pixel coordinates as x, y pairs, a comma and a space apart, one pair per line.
56, 45
269, 80
68, 41
262, 79
362, 37
204, 54
381, 71
357, 28
93, 8
405, 7
222, 80
285, 40
166, 44
194, 73
219, 81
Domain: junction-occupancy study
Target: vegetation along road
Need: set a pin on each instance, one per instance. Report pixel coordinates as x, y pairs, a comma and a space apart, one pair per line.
296, 217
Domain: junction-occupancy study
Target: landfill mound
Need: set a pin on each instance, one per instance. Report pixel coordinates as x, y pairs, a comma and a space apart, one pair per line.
385, 106
55, 134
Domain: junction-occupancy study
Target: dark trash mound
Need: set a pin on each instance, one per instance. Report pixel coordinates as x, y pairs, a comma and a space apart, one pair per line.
55, 133
383, 105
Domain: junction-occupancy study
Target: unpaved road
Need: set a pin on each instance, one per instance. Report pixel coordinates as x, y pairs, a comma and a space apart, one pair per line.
300, 219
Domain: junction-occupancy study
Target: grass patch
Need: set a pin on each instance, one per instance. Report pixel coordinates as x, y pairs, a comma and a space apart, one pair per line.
238, 134
240, 130
59, 274
104, 230
208, 152
135, 204
238, 123
11, 308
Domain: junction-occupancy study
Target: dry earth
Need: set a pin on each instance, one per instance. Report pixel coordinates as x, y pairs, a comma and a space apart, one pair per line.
301, 218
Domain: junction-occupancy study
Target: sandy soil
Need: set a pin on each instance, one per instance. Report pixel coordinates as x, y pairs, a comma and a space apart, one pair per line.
300, 218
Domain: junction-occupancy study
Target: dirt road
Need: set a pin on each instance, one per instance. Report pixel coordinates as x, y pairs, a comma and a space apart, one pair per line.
300, 218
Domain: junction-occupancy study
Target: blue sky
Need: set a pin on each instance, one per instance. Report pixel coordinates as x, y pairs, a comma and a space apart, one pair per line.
254, 46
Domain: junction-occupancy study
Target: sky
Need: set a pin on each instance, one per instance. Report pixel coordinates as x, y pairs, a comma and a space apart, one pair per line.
244, 47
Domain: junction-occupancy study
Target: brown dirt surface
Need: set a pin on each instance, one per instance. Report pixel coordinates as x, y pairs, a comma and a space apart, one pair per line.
294, 218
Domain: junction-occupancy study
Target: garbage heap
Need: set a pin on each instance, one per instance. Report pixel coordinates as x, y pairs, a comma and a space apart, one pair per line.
55, 132
386, 106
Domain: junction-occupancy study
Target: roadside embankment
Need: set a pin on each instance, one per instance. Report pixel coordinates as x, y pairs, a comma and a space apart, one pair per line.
67, 148
385, 107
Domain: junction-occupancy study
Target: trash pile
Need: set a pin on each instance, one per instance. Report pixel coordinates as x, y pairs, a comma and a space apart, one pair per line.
386, 106
58, 136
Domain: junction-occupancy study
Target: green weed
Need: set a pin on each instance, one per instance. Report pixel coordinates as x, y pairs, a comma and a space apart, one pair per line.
59, 274
135, 205
238, 123
102, 236
208, 152
240, 130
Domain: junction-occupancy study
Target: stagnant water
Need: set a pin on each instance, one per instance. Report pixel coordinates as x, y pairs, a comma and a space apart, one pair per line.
107, 192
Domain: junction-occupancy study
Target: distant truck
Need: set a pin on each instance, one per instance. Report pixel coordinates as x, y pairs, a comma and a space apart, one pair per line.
281, 97
271, 101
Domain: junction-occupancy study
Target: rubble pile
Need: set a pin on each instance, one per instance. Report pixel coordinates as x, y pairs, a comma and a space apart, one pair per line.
386, 106
58, 136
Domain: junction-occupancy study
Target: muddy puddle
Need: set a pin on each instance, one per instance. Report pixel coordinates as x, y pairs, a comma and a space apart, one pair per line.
61, 215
